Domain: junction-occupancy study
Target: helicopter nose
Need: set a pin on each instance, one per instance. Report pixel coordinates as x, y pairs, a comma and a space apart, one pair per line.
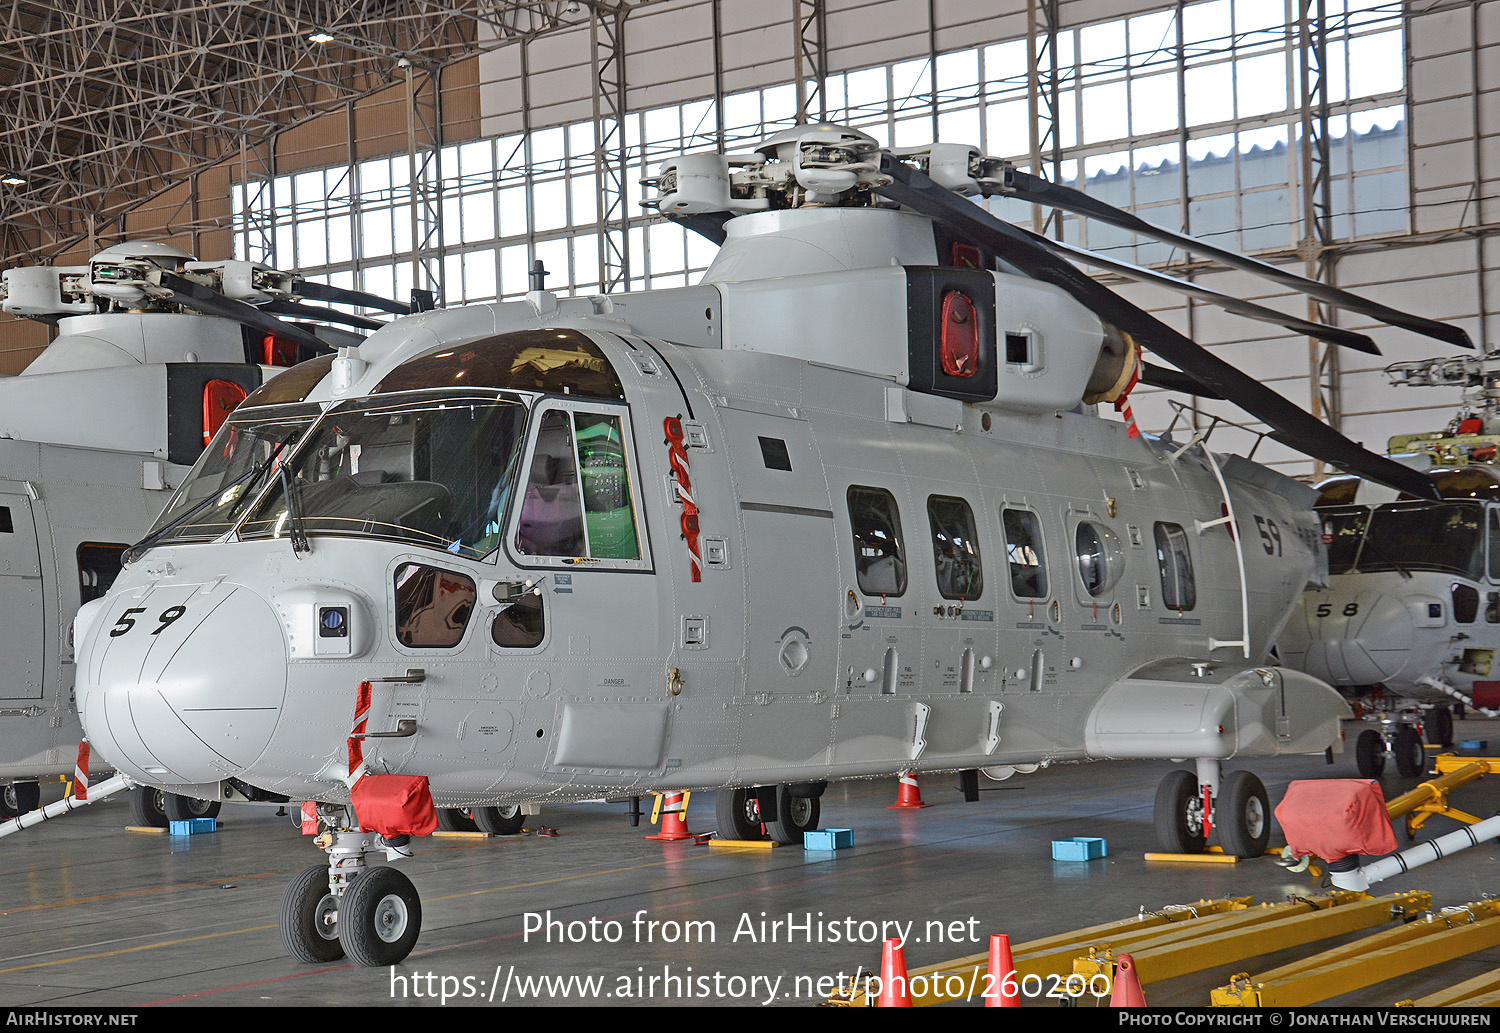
183, 684
1358, 640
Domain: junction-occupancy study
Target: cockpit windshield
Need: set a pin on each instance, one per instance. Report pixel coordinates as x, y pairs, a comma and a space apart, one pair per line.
1343, 530
232, 470
1436, 536
433, 469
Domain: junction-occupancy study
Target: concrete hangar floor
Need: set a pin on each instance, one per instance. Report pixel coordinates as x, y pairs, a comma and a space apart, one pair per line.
98, 917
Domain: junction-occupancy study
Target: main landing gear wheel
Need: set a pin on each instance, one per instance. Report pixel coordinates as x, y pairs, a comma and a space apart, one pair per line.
499, 821
1369, 754
1179, 814
379, 918
183, 808
309, 918
1411, 756
148, 807
1242, 814
794, 816
738, 814
452, 820
1440, 727
20, 798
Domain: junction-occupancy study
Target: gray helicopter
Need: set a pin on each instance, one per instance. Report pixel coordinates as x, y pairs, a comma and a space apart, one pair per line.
1409, 624
844, 509
167, 347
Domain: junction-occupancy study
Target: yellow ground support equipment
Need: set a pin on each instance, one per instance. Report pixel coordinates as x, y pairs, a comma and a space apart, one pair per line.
1483, 991
1252, 932
1431, 797
1430, 940
1044, 958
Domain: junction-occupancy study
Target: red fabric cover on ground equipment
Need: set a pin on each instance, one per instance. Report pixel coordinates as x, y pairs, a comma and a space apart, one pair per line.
394, 805
1486, 694
1335, 817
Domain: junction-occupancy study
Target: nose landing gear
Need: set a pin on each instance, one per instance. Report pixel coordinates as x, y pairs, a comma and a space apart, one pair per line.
372, 914
1190, 808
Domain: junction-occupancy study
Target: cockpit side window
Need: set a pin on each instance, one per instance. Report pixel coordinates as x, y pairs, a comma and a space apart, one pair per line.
579, 498
879, 556
1495, 544
433, 606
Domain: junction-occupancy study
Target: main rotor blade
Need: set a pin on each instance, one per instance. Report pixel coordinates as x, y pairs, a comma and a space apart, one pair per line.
328, 315
1026, 187
914, 189
345, 296
1239, 306
1174, 380
203, 299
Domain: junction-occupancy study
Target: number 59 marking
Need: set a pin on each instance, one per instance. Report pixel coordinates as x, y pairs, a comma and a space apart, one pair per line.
126, 621
1270, 535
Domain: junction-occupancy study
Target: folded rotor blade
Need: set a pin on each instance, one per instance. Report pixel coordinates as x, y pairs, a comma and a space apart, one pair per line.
1239, 306
915, 190
1031, 188
344, 296
327, 315
203, 299
1174, 380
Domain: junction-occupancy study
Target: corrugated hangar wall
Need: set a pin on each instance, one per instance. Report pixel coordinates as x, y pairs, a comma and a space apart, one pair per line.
1430, 251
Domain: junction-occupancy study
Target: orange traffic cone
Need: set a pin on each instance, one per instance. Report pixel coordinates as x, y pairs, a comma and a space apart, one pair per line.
673, 818
908, 797
1002, 975
895, 992
1127, 991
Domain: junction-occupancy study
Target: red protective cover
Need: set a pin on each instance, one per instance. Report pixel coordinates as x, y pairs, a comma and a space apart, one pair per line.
394, 805
1486, 694
1335, 817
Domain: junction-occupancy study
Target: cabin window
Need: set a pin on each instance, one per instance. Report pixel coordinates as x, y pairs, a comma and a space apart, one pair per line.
1178, 590
433, 606
1023, 550
6, 525
1495, 545
774, 455
955, 549
521, 625
879, 558
578, 496
98, 566
1099, 555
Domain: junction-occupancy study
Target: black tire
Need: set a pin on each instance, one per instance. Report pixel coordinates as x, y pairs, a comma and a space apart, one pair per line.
453, 820
309, 918
1439, 726
380, 918
1179, 814
738, 814
794, 816
148, 807
185, 808
21, 798
1411, 755
1242, 814
499, 821
1369, 754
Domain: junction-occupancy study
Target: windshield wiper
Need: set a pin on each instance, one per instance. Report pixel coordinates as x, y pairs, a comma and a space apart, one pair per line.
298, 537
135, 552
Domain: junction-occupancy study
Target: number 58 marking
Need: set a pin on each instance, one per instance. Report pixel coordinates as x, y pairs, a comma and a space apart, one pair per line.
126, 621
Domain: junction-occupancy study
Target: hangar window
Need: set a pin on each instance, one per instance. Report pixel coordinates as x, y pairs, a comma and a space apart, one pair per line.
879, 558
1178, 590
955, 550
432, 606
1023, 550
578, 500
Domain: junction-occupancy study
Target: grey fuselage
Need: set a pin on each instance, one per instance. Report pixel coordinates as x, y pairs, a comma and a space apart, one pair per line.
761, 659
